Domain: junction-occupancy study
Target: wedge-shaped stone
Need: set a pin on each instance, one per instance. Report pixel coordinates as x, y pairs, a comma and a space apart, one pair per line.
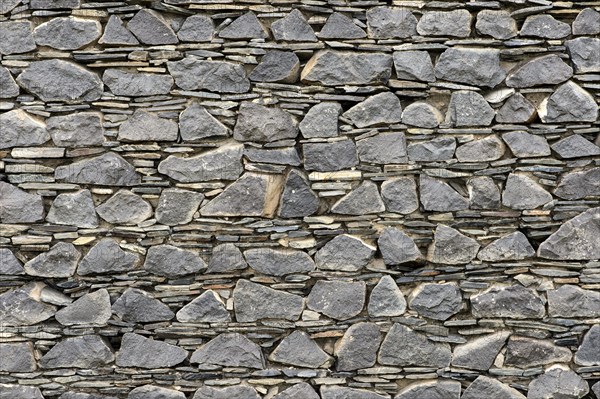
106, 170
414, 65
357, 349
455, 23
451, 247
125, 207
192, 73
321, 120
340, 300
151, 28
522, 192
344, 253
558, 382
18, 206
545, 26
400, 195
386, 299
479, 353
526, 145
18, 391
578, 185
177, 206
569, 103
9, 264
338, 68
476, 67
496, 23
145, 126
575, 146
206, 308
390, 23
587, 353
81, 129
256, 122
421, 114
279, 262
513, 246
254, 302
17, 357
302, 390
19, 129
362, 200
226, 258
246, 26
277, 66
170, 261
436, 301
468, 108
380, 109
139, 351
523, 352
135, 305
297, 198
88, 351
571, 301
339, 26
74, 209
196, 124
230, 350
545, 70
404, 347
223, 163
439, 389
8, 86
23, 306
293, 28
517, 109
67, 33
196, 28
298, 349
233, 392
116, 33
487, 149
123, 83
396, 247
329, 157
509, 301
485, 387
91, 309
107, 257
16, 36
153, 392
59, 262
437, 195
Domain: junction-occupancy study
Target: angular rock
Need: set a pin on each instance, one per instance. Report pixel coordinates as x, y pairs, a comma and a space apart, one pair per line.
575, 146
479, 353
87, 351
483, 193
279, 262
587, 23
139, 351
486, 149
596, 389
587, 354
404, 347
386, 299
59, 262
335, 68
400, 195
21, 129
151, 28
297, 198
385, 148
321, 120
293, 28
125, 207
514, 246
230, 350
18, 391
508, 301
177, 206
254, 302
196, 28
451, 247
233, 392
357, 349
192, 73
455, 23
108, 169
437, 195
545, 70
302, 390
526, 145
262, 124
569, 103
138, 306
391, 23
380, 109
74, 209
340, 300
55, 4
397, 247
8, 86
206, 308
7, 6
277, 66
439, 389
571, 301
436, 301
339, 26
153, 392
523, 352
298, 349
558, 382
576, 239
246, 26
81, 129
329, 157
278, 156
17, 37
517, 109
9, 264
116, 33
107, 257
23, 307
91, 309
170, 261
476, 67
545, 26
414, 65
18, 206
17, 357
129, 84
223, 163
468, 108
578, 185
336, 392
362, 200
344, 253
226, 258
522, 192
421, 114
497, 24
67, 33
485, 387
196, 124
145, 126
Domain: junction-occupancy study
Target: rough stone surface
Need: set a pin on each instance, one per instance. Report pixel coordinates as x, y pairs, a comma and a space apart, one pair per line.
362, 200
517, 109
575, 146
483, 150
483, 193
17, 37
223, 163
333, 68
488, 387
558, 383
414, 65
230, 350
333, 392
176, 206
123, 83
68, 33
298, 349
577, 185
107, 257
115, 33
436, 301
357, 349
302, 390
192, 73
139, 351
91, 309
380, 109
339, 300
445, 23
277, 66
226, 258
145, 126
443, 389
73, 209
18, 206
514, 302
60, 261
526, 145
451, 246
390, 23
154, 392
139, 306
544, 26
255, 302
477, 67
293, 28
328, 157
522, 192
23, 307
279, 262
498, 24
76, 130
526, 352
572, 301
423, 115
587, 353
344, 253
404, 347
569, 103
234, 392
21, 129
9, 264
386, 299
400, 195
246, 26
17, 357
206, 308
14, 391
151, 28
297, 198
396, 247
468, 108
587, 23
437, 195
124, 207
339, 26
87, 351
479, 353
170, 261
264, 124
108, 169
196, 28
321, 120
8, 86
545, 70
196, 124
514, 246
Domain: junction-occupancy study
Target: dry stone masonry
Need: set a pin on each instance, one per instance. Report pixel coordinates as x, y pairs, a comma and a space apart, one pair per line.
294, 199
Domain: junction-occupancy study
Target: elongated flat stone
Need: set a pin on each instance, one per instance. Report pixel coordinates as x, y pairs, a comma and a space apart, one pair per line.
67, 33
123, 83
170, 261
279, 262
108, 169
333, 68
192, 73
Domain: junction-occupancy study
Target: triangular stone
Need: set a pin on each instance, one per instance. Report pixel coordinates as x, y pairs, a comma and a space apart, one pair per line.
514, 246
339, 26
569, 103
485, 387
404, 347
293, 28
575, 146
576, 239
396, 247
479, 353
522, 192
246, 26
451, 247
298, 349
362, 200
135, 305
107, 257
91, 309
517, 109
8, 87
151, 28
9, 264
116, 33
207, 308
196, 123
437, 195
386, 299
226, 258
297, 199
60, 261
230, 350
380, 109
301, 390
74, 209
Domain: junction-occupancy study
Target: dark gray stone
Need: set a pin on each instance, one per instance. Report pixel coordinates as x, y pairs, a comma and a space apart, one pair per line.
496, 23
81, 129
226, 258
206, 308
508, 301
18, 391
74, 209
455, 23
88, 351
386, 299
526, 145
17, 357
107, 170
357, 349
246, 26
437, 149
196, 124
230, 350
8, 86
151, 28
414, 65
254, 302
336, 68
23, 307
523, 352
107, 257
223, 163
79, 395
397, 247
344, 253
116, 33
441, 389
364, 199
485, 387
575, 146
587, 354
451, 247
477, 67
138, 306
177, 206
170, 261
297, 198
576, 239
436, 301
123, 83
329, 157
339, 26
153, 392
279, 262
278, 156
59, 262
400, 195
479, 353
437, 195
384, 148
248, 196
423, 115
522, 192
18, 206
17, 37
391, 23
20, 129
302, 390
192, 73
293, 28
380, 109
487, 149
558, 382
569, 103
233, 392
545, 70
67, 33
277, 66
513, 246
340, 300
483, 193
256, 122
125, 207
404, 347
145, 126
298, 349
9, 264
469, 108
545, 26
596, 386
321, 120
517, 109
91, 309
337, 392
196, 28
55, 4
571, 301
578, 185
139, 351
587, 23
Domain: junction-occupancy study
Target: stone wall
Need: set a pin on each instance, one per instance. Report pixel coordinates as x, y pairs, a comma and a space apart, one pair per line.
299, 199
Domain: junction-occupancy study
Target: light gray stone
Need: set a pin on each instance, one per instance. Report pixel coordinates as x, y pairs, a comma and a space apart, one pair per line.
587, 23
517, 109
526, 145
437, 149
129, 84
279, 262
17, 357
576, 239
508, 301
254, 302
177, 206
278, 156
513, 246
469, 108
170, 261
451, 247
55, 4
226, 258
233, 392
196, 124
384, 148
545, 26
8, 86
298, 349
522, 192
81, 129
23, 306
116, 33
108, 169
575, 146
362, 200
67, 33
297, 198
196, 28
486, 387
476, 67
87, 351
397, 247
7, 6
139, 351
421, 114
337, 392
145, 126
357, 349
223, 163
293, 28
329, 157
206, 308
138, 306
107, 257
455, 23
524, 352
277, 66
414, 65
18, 391
336, 68
230, 350
569, 103
9, 264
59, 262
18, 206
437, 195
192, 73
391, 23
380, 109
436, 301
479, 353
124, 207
545, 70
571, 301
558, 382
339, 26
404, 347
302, 390
439, 389
340, 300
578, 185
17, 37
262, 124
74, 209
487, 149
151, 28
247, 26
496, 23
344, 253
386, 299
483, 193
596, 389
21, 129
90, 309
321, 120
587, 354
400, 195
153, 392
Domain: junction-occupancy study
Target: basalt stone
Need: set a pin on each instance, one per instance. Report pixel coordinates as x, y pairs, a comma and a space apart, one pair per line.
380, 109
153, 392
391, 23
18, 206
254, 302
400, 195
362, 200
436, 301
262, 124
298, 349
523, 352
23, 306
569, 103
514, 246
8, 86
20, 129
385, 148
486, 149
145, 126
196, 28
577, 185
396, 247
587, 23
587, 353
117, 34
575, 146
192, 73
479, 353
545, 70
477, 67
509, 301
278, 156
340, 300
226, 258
497, 24
526, 145
336, 68
138, 306
344, 253
246, 26
91, 309
107, 257
545, 26
233, 392
575, 239
170, 261
455, 23
558, 382
421, 114
468, 108
223, 163
451, 247
139, 351
81, 129
517, 109
59, 262
441, 389
357, 349
18, 391
125, 207
107, 170
437, 195
17, 37
151, 28
9, 264
302, 390
123, 83
55, 4
177, 206
74, 209
522, 192
293, 28
321, 120
336, 392
206, 308
386, 299
17, 357
485, 387
297, 198
329, 157
230, 350
571, 301
414, 65
196, 124
404, 347
88, 351
277, 66
339, 26
279, 262
483, 193
67, 33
